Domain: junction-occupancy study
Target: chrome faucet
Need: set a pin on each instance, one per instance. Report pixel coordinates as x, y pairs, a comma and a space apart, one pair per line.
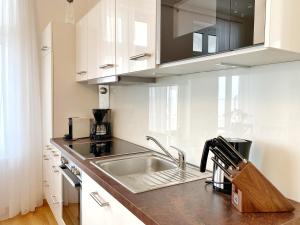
181, 163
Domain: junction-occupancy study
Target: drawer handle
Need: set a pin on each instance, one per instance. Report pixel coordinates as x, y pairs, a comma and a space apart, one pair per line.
140, 56
56, 155
46, 159
54, 201
55, 170
44, 48
106, 66
98, 199
48, 147
82, 73
46, 183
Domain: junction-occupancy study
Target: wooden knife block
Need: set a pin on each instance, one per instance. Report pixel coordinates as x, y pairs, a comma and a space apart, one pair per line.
252, 192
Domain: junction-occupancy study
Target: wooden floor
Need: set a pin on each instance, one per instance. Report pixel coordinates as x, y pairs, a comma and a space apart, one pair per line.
42, 216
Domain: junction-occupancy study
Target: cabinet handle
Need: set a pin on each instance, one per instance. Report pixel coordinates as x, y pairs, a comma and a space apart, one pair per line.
56, 155
48, 147
54, 201
44, 48
46, 159
82, 73
140, 56
45, 183
98, 199
106, 66
55, 170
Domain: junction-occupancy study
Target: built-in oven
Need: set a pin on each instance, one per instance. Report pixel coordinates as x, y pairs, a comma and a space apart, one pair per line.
194, 28
71, 193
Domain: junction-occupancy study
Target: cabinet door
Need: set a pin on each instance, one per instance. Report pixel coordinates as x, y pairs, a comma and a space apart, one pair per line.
81, 49
142, 34
106, 46
46, 42
122, 35
47, 97
55, 190
111, 213
92, 46
46, 173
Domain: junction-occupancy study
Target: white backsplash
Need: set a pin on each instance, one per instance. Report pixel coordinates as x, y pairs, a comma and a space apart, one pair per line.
261, 104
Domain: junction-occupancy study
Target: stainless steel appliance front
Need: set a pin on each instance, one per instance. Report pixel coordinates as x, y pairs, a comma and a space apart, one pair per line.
71, 195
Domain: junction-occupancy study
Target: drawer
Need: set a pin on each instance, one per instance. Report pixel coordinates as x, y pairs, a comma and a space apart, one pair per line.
99, 207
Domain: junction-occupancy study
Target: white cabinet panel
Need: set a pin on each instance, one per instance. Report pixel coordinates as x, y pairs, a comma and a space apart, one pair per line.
122, 35
142, 34
135, 35
112, 214
47, 104
82, 49
46, 42
106, 38
52, 178
92, 46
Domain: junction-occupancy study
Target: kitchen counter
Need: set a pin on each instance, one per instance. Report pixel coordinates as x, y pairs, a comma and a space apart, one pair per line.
193, 203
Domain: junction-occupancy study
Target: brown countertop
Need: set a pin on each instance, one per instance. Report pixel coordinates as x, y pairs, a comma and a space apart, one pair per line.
193, 203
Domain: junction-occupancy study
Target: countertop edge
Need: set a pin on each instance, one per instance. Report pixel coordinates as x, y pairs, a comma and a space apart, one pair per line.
139, 213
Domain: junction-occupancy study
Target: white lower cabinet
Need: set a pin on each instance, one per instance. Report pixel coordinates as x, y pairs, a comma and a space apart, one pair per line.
100, 208
52, 181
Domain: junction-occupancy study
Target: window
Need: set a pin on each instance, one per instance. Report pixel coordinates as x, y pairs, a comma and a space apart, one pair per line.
212, 44
197, 42
163, 109
140, 34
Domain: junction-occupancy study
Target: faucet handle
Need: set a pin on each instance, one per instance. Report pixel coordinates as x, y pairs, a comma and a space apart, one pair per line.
181, 157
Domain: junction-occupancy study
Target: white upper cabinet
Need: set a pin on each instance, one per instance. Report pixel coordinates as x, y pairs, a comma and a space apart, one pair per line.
122, 36
82, 49
106, 38
46, 42
135, 35
159, 38
92, 41
142, 34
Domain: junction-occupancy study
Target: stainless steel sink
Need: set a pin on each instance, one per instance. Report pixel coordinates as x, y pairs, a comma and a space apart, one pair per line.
146, 171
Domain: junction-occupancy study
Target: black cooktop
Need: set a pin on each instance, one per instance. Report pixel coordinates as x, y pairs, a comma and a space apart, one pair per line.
111, 147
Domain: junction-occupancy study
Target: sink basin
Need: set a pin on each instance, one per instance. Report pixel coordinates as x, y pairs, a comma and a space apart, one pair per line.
146, 171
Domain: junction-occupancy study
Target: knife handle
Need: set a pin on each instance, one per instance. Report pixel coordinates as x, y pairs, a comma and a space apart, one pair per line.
226, 158
232, 149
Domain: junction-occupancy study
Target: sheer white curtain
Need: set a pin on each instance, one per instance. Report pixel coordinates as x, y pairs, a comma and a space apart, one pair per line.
20, 116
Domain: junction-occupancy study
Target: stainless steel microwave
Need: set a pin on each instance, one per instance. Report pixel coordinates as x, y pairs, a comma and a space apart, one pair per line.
195, 28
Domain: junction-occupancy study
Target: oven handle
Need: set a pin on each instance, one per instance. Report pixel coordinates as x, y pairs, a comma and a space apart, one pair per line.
73, 180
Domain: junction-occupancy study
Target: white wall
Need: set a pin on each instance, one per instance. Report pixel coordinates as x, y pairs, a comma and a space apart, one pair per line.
261, 104
54, 10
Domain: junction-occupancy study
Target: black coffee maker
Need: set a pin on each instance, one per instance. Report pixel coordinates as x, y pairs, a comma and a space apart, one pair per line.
101, 127
228, 152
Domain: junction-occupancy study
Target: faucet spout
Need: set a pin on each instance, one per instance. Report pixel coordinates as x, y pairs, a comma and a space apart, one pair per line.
181, 163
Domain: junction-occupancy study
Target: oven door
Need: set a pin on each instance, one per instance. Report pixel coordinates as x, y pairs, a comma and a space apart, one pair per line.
71, 191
